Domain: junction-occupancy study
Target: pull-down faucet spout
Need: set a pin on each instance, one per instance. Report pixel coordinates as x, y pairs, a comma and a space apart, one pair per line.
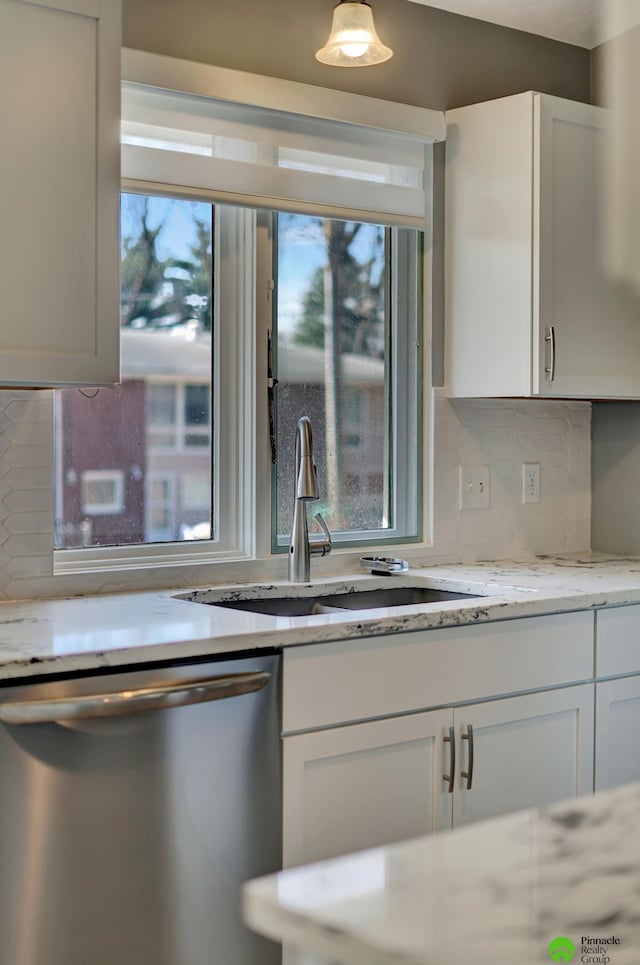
301, 547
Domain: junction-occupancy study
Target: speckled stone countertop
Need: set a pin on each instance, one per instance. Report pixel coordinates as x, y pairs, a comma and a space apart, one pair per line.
494, 893
94, 632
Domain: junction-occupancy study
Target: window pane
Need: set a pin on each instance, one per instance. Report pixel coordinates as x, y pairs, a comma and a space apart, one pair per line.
333, 366
196, 490
196, 405
136, 432
348, 313
161, 440
196, 441
102, 492
159, 490
161, 404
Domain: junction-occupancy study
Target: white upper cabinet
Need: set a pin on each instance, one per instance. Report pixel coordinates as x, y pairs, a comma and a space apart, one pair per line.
528, 309
59, 247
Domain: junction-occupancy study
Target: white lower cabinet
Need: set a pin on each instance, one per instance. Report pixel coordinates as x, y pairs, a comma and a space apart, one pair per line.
363, 785
528, 751
358, 786
617, 729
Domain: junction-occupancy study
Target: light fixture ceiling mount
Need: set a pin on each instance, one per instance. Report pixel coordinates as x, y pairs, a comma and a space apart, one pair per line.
353, 41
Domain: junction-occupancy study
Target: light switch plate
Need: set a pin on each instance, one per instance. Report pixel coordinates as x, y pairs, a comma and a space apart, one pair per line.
474, 487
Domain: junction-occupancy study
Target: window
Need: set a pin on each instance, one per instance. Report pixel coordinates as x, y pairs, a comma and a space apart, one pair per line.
161, 405
348, 357
290, 219
160, 516
120, 450
102, 492
196, 415
178, 414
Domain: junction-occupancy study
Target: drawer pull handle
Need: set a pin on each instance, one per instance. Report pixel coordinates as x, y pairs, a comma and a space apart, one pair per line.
468, 774
550, 339
451, 776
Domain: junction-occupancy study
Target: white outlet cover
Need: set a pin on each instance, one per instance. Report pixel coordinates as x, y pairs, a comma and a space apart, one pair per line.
530, 482
474, 489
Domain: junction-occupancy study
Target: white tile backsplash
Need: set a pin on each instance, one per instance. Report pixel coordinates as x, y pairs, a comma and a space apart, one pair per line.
504, 434
498, 433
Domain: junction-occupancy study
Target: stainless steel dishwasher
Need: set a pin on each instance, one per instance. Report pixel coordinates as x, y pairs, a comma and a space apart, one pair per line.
132, 808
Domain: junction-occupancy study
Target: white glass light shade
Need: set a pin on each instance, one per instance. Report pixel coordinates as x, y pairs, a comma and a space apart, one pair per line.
353, 41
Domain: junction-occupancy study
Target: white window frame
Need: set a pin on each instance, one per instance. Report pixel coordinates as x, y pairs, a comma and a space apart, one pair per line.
233, 438
405, 452
241, 453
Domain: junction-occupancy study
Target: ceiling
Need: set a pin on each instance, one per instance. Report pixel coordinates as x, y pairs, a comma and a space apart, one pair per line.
585, 23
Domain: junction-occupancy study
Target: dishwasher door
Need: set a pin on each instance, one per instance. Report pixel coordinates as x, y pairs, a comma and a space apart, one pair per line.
125, 839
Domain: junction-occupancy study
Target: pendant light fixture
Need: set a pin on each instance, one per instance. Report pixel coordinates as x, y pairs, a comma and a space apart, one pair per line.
353, 41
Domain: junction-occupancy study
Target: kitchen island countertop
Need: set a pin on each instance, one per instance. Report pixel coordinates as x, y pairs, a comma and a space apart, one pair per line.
85, 633
494, 893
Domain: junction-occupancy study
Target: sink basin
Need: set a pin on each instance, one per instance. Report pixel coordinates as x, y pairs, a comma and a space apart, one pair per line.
358, 600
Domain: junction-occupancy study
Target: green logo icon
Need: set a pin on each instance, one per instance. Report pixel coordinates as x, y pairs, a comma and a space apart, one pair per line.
561, 949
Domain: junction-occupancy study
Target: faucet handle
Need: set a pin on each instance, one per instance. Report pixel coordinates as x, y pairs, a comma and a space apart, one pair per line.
319, 518
321, 547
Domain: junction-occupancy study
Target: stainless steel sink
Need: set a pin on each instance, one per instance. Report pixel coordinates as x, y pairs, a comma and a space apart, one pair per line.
355, 600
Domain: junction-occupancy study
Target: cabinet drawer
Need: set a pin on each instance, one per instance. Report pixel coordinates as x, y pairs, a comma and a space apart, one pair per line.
618, 641
331, 683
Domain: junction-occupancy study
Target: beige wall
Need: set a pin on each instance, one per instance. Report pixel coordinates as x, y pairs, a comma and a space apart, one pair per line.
441, 60
615, 426
626, 45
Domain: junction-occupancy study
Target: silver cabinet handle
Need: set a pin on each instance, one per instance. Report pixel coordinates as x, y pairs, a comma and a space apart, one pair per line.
451, 776
550, 338
468, 774
176, 693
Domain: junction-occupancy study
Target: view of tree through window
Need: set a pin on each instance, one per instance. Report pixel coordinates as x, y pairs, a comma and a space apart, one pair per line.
142, 450
333, 366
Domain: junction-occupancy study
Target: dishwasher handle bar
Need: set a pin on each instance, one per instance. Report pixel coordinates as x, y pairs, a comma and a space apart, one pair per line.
163, 696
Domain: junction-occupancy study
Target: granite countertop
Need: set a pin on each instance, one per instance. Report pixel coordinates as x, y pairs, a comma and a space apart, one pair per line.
494, 893
93, 632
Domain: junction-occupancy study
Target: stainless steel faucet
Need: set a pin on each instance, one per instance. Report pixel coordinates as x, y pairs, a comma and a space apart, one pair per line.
301, 548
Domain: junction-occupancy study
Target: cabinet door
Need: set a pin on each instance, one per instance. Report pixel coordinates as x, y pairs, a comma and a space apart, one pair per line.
364, 785
617, 730
488, 236
587, 330
528, 751
59, 257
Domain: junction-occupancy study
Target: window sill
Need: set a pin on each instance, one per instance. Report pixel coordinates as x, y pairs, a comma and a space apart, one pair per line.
149, 557
208, 564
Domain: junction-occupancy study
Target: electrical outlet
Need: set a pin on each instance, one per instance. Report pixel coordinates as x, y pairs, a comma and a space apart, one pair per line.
474, 487
530, 482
